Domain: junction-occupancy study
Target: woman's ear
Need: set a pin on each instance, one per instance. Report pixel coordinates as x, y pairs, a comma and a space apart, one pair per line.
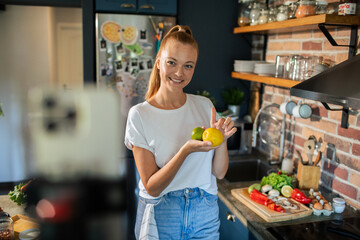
157, 62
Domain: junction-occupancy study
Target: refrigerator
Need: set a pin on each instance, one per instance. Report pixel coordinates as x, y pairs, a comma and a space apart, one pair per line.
126, 50
125, 54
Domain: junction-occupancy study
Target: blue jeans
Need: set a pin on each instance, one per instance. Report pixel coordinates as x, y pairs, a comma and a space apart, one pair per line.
190, 213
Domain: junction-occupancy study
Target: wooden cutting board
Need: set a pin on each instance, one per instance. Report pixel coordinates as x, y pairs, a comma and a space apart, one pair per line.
267, 214
22, 223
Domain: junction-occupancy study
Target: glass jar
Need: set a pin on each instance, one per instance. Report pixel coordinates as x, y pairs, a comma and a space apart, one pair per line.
321, 7
6, 228
292, 6
282, 13
347, 7
264, 16
339, 205
254, 14
305, 8
272, 15
244, 12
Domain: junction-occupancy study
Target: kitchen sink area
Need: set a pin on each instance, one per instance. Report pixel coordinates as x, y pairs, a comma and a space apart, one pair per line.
244, 170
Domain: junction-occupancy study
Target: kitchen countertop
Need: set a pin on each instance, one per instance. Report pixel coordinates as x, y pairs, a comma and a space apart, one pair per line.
11, 207
255, 223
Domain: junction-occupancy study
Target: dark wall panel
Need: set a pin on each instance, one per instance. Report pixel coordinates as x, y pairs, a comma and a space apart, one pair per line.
212, 22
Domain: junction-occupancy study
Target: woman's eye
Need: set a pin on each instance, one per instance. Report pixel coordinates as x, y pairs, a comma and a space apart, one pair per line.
189, 66
171, 62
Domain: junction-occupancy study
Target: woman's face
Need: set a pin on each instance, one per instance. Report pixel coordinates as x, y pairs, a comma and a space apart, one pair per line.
176, 64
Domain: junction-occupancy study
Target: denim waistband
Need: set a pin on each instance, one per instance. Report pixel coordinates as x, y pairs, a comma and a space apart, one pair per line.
187, 192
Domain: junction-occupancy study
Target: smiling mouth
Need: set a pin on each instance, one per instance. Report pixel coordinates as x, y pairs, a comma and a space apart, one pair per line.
176, 80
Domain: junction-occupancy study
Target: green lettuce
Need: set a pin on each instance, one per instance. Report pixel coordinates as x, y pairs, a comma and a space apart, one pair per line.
17, 196
277, 181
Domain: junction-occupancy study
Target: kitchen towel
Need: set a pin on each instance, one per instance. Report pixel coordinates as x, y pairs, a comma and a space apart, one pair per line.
148, 230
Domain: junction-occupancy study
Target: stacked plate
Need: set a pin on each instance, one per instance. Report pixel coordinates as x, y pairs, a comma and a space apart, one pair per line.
264, 69
245, 66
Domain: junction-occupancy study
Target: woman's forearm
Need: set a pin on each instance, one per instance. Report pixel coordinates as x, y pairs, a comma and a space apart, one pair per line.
163, 177
221, 161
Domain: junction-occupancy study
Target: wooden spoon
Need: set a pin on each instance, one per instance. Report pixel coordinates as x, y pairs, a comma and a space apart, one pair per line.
318, 158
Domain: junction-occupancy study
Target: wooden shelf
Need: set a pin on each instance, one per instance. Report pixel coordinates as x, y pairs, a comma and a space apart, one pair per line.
268, 80
300, 24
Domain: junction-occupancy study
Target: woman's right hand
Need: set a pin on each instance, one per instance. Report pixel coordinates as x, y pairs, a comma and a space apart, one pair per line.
197, 146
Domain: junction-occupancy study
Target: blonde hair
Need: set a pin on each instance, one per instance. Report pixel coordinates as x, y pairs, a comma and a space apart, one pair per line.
180, 33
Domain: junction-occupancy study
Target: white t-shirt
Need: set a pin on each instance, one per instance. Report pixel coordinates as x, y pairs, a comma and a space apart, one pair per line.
164, 132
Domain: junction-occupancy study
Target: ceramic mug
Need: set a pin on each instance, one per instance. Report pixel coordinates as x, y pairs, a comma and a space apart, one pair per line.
287, 107
302, 110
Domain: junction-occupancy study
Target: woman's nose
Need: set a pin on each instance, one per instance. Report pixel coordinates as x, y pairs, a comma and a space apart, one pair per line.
179, 71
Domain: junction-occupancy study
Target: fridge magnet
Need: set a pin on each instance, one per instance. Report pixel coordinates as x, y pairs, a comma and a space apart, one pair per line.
127, 68
111, 31
134, 62
134, 72
149, 64
120, 49
135, 48
103, 69
141, 66
143, 35
102, 44
118, 66
129, 35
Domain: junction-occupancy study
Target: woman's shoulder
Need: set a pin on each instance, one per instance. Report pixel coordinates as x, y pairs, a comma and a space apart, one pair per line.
138, 108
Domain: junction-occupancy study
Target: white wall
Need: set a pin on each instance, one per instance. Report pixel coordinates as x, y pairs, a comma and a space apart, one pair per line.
26, 60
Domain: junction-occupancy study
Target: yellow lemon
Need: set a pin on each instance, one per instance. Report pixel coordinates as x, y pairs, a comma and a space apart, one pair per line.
286, 191
213, 135
197, 133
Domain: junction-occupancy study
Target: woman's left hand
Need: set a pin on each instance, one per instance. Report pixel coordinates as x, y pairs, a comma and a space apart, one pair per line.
226, 126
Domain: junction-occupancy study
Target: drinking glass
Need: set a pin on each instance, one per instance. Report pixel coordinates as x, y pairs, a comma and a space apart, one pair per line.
297, 68
310, 63
280, 66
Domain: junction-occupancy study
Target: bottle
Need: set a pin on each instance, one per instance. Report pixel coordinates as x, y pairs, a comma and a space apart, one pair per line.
272, 15
287, 165
321, 6
263, 16
254, 14
292, 6
347, 7
244, 12
282, 14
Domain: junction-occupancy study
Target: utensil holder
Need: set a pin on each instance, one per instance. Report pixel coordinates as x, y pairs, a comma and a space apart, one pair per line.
308, 176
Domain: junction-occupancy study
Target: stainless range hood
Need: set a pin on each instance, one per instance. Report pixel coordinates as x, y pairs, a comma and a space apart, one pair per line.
339, 85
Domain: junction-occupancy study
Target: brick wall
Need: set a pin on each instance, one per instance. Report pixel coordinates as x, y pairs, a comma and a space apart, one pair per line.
341, 176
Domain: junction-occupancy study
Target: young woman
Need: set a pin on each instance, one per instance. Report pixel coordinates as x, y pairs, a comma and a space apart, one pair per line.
178, 191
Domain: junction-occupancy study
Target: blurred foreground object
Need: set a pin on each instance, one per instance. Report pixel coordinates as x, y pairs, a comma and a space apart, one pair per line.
80, 191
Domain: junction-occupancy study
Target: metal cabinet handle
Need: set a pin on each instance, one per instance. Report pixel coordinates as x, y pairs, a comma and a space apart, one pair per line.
127, 5
230, 217
147, 6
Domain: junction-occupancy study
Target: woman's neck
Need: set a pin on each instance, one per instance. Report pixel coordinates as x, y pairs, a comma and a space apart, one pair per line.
168, 101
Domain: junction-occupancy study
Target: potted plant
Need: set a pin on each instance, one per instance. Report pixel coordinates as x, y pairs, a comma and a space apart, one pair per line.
205, 93
233, 97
